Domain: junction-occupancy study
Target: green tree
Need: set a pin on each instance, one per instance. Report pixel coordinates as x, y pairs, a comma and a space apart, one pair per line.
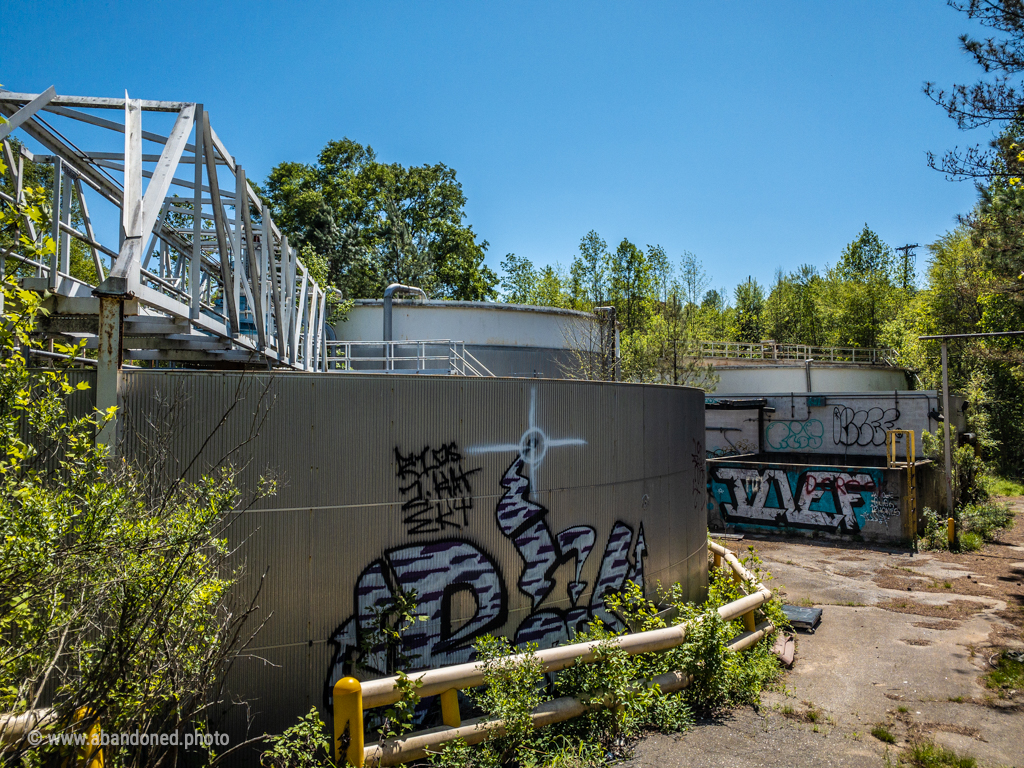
631, 285
748, 321
860, 294
590, 270
519, 279
378, 223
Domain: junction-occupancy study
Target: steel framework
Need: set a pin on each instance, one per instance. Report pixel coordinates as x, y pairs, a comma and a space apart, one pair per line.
200, 273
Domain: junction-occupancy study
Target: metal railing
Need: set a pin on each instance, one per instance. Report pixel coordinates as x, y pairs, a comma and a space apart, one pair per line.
740, 350
352, 698
426, 356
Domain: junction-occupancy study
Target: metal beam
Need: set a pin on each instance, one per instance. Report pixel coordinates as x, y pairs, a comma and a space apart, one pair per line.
27, 111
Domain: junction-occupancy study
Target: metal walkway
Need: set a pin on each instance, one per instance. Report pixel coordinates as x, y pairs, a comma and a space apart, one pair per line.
200, 274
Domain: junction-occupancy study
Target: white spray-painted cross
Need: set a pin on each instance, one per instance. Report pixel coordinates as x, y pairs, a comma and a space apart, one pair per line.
532, 446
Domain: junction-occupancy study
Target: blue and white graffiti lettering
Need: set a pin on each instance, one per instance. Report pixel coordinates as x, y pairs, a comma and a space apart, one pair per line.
817, 498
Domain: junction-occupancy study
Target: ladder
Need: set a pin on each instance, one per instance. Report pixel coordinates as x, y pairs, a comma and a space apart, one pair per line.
892, 436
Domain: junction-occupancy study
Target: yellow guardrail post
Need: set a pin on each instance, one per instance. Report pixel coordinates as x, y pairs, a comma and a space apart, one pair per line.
348, 719
748, 621
718, 560
951, 531
90, 754
450, 714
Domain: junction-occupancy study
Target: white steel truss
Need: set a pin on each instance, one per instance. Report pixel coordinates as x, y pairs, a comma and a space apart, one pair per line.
201, 274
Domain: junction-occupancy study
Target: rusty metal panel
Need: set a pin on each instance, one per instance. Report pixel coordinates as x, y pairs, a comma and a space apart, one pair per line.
508, 505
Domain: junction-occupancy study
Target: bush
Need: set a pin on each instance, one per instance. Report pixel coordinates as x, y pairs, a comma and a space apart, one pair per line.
985, 519
113, 590
618, 684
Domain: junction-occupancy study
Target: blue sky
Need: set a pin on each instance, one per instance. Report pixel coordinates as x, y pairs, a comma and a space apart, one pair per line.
753, 134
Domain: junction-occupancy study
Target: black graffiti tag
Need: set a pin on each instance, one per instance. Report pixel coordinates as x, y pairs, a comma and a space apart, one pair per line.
864, 427
437, 487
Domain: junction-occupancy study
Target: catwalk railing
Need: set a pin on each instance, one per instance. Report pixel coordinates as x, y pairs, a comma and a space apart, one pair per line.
352, 697
421, 356
201, 269
739, 350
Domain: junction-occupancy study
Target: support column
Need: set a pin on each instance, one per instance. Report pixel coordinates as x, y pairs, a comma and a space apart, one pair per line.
108, 366
945, 423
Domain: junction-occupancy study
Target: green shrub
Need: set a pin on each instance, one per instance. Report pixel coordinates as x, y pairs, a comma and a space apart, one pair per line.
882, 733
936, 535
971, 542
618, 684
927, 754
304, 745
985, 519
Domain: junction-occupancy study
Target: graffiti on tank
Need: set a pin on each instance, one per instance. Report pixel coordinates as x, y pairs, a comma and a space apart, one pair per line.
795, 435
883, 508
533, 444
863, 427
739, 448
443, 572
699, 471
436, 489
817, 498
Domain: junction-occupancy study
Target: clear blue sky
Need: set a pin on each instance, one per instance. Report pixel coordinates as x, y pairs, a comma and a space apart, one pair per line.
754, 134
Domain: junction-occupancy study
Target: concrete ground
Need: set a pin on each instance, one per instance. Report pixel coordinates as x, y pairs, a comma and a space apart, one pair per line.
904, 642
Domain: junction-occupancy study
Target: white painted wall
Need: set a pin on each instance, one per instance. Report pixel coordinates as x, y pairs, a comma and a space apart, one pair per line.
475, 323
849, 423
825, 377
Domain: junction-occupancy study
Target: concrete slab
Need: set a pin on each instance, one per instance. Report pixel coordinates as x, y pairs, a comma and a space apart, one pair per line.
904, 642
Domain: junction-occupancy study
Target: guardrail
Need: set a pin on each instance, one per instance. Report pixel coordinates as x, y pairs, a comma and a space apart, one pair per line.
16, 730
430, 356
738, 350
352, 698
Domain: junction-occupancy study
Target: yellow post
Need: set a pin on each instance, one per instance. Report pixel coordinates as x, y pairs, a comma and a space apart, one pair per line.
90, 754
748, 621
450, 708
348, 719
718, 560
951, 530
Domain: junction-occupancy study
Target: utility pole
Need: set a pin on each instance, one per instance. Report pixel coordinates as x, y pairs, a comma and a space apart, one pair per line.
909, 257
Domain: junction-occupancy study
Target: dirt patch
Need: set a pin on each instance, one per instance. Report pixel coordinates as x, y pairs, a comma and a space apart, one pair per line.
851, 557
944, 624
998, 565
960, 586
963, 730
852, 574
956, 609
915, 641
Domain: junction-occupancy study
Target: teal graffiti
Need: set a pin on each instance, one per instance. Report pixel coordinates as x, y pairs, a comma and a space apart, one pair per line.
794, 435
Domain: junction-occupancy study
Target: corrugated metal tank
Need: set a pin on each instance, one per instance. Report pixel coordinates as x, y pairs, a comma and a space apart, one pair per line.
510, 339
509, 506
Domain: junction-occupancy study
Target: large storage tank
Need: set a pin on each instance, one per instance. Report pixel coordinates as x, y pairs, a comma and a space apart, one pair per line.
509, 506
510, 339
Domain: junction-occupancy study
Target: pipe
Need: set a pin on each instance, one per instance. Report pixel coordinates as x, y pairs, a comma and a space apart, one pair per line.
418, 745
392, 289
383, 691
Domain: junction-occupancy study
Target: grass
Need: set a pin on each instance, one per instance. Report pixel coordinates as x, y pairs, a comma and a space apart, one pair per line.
882, 733
971, 542
902, 710
1007, 677
1002, 486
806, 602
927, 754
957, 699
